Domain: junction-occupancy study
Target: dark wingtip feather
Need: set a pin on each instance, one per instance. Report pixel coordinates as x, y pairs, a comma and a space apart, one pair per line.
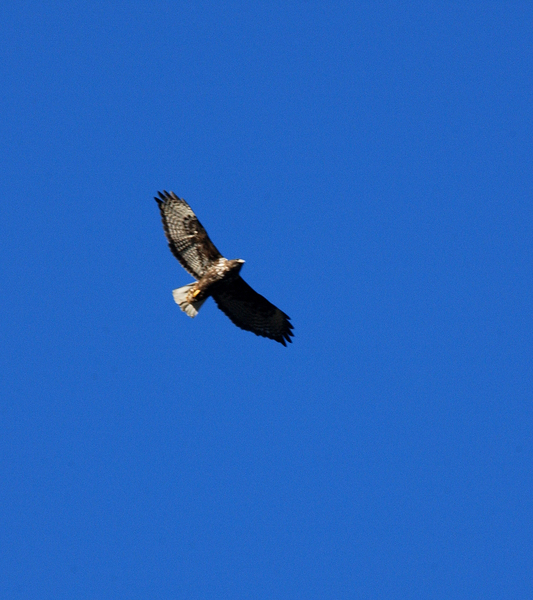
287, 333
164, 196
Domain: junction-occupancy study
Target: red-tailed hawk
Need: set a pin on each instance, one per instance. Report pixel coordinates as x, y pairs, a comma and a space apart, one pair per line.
216, 276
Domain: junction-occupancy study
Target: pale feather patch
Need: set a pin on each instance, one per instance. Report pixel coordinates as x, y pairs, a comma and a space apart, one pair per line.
180, 297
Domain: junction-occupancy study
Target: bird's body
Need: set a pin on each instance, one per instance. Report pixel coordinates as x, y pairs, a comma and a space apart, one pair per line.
216, 276
222, 272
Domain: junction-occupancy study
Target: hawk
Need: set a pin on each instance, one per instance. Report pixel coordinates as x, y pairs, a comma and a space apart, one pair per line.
216, 276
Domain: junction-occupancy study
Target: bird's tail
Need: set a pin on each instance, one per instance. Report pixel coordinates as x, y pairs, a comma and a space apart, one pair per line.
180, 297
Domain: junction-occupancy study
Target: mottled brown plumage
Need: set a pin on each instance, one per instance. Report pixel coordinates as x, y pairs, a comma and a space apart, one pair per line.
216, 276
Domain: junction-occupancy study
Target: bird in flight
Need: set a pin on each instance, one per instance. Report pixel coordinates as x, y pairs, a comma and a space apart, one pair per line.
216, 276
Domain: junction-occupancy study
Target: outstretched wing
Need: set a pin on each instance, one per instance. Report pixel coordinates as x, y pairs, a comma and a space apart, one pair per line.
251, 311
187, 239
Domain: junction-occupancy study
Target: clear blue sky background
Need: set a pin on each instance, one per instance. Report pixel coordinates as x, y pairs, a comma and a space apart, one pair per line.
372, 163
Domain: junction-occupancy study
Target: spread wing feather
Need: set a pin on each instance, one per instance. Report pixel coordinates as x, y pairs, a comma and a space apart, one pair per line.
251, 311
187, 239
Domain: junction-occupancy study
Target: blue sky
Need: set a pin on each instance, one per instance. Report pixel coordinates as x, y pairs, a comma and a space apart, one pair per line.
372, 163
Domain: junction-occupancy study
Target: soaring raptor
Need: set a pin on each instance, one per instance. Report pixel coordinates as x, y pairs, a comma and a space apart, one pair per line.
216, 276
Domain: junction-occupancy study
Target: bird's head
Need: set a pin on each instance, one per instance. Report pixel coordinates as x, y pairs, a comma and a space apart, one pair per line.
236, 265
